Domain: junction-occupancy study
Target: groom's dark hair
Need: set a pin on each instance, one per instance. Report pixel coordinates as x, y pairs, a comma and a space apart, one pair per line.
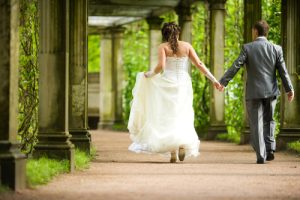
262, 28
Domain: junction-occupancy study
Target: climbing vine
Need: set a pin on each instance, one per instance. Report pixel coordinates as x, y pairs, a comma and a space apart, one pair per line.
28, 79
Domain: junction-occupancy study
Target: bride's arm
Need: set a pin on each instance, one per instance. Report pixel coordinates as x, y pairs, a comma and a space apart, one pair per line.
160, 65
200, 65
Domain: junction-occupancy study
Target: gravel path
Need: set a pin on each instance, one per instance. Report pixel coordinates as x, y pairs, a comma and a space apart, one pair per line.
223, 171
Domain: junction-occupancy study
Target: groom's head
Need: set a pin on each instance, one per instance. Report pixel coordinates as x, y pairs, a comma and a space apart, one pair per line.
260, 28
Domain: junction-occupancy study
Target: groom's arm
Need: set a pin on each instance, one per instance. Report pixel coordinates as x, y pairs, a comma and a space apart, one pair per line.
280, 65
231, 72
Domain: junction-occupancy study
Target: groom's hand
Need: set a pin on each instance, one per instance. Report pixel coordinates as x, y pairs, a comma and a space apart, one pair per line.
290, 96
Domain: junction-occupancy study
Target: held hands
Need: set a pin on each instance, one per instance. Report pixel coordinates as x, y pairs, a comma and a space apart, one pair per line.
218, 86
290, 96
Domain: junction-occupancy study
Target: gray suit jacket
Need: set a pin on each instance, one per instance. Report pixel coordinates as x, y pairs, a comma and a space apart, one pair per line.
262, 59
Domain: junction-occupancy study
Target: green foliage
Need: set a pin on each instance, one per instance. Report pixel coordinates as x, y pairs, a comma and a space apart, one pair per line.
170, 17
294, 146
231, 136
136, 58
271, 12
41, 171
93, 53
28, 80
234, 101
200, 83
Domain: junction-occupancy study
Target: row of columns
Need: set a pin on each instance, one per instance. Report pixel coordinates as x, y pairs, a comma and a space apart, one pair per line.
290, 23
62, 109
63, 78
111, 77
111, 63
290, 111
252, 9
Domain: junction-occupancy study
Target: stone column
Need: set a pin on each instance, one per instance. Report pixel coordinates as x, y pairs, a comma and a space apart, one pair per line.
155, 39
118, 73
217, 40
12, 161
290, 111
252, 13
107, 84
78, 123
185, 22
53, 135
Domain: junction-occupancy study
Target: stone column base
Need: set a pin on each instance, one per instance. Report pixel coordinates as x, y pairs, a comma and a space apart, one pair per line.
245, 136
12, 166
105, 124
214, 130
287, 135
81, 138
55, 145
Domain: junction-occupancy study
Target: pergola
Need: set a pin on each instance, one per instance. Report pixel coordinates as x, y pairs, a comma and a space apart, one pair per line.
63, 70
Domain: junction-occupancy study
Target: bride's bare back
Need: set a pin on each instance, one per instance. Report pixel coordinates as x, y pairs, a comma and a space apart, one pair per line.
185, 49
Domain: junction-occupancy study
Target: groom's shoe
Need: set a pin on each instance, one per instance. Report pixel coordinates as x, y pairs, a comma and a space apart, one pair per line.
260, 161
270, 156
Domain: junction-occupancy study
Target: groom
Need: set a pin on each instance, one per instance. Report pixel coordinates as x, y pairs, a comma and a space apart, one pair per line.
262, 59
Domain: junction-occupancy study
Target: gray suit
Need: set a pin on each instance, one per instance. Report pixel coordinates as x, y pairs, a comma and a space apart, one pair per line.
262, 59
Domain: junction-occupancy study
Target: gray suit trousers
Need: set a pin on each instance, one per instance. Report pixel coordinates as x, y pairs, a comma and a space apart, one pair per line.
262, 125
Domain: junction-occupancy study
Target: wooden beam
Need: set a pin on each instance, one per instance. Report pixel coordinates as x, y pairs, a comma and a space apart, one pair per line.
109, 10
142, 3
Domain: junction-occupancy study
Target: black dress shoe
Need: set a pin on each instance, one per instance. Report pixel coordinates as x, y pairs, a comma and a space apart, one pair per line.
260, 161
270, 156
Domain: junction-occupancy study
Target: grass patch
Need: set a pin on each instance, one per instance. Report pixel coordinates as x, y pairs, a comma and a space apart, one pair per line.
230, 137
82, 159
4, 188
41, 171
120, 127
294, 146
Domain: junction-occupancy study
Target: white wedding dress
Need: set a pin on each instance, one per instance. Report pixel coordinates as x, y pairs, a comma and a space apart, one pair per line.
162, 117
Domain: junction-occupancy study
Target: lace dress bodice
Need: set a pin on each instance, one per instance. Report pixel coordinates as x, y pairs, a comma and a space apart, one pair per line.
176, 69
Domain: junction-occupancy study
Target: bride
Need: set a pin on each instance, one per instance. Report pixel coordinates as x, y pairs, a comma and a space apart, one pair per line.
162, 117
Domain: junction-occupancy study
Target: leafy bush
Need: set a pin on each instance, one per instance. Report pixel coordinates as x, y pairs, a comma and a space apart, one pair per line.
294, 146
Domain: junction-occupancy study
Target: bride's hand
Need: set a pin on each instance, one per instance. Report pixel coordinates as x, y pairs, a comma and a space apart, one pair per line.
218, 86
149, 74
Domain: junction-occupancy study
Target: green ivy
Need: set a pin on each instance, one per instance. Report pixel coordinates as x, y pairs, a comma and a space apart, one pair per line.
28, 80
93, 53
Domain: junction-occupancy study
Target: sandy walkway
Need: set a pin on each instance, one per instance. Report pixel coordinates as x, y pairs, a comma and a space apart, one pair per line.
223, 171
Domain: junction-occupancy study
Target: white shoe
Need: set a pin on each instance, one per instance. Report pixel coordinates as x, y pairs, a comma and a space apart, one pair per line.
181, 153
173, 157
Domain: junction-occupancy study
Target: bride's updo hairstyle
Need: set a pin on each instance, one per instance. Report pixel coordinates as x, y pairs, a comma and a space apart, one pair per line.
170, 33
